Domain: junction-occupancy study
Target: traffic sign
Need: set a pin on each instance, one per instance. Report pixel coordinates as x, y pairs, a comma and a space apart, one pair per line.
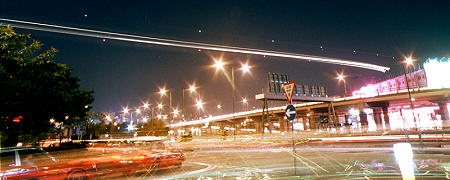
288, 89
290, 112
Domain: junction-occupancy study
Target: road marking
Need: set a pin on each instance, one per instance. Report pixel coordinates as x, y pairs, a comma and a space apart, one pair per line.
208, 167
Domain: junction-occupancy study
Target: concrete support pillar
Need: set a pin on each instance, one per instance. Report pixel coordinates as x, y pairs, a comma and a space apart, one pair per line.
443, 110
311, 120
377, 114
305, 123
362, 114
380, 108
258, 126
269, 125
385, 110
283, 123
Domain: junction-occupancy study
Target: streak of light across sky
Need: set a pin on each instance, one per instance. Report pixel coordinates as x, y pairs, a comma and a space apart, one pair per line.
185, 44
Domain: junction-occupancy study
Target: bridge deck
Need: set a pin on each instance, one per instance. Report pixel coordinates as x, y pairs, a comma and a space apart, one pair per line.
304, 98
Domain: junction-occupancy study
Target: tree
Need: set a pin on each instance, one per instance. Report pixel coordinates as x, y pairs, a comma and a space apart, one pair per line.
156, 127
35, 89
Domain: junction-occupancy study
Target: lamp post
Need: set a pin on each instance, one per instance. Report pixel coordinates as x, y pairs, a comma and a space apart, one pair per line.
341, 77
220, 65
199, 105
245, 102
125, 111
163, 92
192, 89
409, 61
147, 106
219, 107
138, 112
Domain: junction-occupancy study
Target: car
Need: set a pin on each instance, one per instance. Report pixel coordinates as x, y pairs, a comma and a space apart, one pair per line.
35, 163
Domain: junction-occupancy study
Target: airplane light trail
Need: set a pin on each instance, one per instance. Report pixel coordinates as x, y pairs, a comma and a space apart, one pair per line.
184, 44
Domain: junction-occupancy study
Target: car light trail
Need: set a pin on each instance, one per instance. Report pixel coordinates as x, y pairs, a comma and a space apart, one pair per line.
184, 44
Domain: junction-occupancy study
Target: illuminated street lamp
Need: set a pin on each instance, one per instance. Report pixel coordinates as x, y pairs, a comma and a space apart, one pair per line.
138, 111
199, 104
175, 112
219, 106
245, 68
341, 77
409, 61
145, 106
163, 92
125, 110
160, 106
245, 102
219, 64
192, 89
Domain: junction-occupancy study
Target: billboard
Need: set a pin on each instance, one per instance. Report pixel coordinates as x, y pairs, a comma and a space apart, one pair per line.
276, 80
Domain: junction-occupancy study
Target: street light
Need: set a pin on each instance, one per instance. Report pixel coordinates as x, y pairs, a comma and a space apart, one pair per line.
145, 105
245, 68
409, 61
220, 65
341, 77
175, 112
245, 102
125, 110
199, 104
163, 92
192, 89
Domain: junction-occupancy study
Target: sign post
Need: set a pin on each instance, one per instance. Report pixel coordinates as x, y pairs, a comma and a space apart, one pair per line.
290, 113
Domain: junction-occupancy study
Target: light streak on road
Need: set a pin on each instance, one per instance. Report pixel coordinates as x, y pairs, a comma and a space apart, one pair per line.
187, 174
304, 159
184, 44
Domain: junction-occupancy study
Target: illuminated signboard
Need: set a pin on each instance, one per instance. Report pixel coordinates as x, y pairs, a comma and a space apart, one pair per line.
438, 72
436, 75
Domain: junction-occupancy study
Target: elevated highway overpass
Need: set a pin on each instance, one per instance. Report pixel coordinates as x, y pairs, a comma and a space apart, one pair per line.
309, 109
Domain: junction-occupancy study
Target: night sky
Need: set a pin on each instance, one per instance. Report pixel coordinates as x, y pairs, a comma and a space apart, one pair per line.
125, 73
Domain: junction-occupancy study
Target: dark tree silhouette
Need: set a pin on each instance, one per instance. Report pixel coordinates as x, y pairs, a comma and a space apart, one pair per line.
35, 89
